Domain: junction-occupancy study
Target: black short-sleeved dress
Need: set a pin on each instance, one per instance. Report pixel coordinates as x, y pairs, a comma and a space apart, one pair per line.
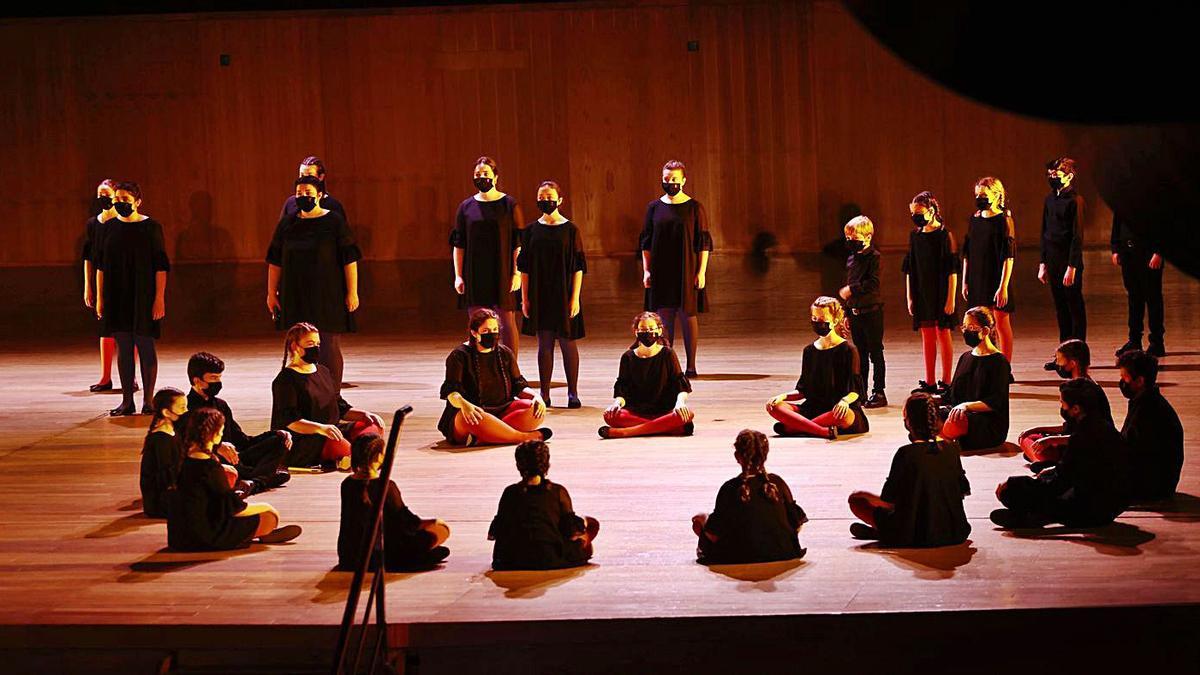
929, 264
492, 381
405, 543
756, 530
551, 255
93, 246
533, 529
202, 515
986, 379
312, 254
161, 460
131, 256
927, 485
826, 375
488, 233
306, 396
675, 234
988, 243
650, 385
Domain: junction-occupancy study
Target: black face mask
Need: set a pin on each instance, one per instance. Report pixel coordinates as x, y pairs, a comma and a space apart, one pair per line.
487, 340
972, 338
1126, 388
983, 203
646, 338
854, 245
1062, 371
124, 209
919, 220
306, 203
484, 184
821, 328
311, 354
101, 204
1055, 183
671, 189
1066, 416
212, 389
547, 206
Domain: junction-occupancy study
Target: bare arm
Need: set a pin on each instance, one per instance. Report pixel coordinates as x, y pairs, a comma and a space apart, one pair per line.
352, 278
273, 272
704, 262
89, 273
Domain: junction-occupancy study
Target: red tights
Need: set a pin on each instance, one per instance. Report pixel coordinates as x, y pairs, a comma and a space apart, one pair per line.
335, 450
789, 415
936, 340
624, 424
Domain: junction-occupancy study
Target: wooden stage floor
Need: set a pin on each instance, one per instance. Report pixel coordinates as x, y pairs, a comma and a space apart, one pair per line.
76, 551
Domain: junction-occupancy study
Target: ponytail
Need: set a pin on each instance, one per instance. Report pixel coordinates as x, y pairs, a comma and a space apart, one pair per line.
751, 449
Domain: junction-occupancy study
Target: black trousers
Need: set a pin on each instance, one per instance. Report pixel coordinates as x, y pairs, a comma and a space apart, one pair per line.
262, 457
1029, 495
1068, 302
1143, 286
866, 331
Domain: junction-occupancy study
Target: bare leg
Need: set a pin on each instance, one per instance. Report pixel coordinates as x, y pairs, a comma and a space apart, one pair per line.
946, 351
1004, 334
863, 505
493, 430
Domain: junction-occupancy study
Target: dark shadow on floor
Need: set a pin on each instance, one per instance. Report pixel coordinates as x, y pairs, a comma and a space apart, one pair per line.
1181, 507
118, 527
165, 561
926, 563
1116, 539
1021, 395
533, 583
135, 505
448, 447
130, 421
333, 587
729, 377
759, 576
84, 393
1005, 450
388, 386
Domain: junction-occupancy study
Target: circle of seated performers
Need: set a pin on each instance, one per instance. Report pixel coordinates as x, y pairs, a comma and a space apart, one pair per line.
1089, 486
827, 397
204, 513
975, 407
922, 499
1044, 444
650, 394
1151, 429
488, 401
535, 527
755, 519
409, 542
307, 401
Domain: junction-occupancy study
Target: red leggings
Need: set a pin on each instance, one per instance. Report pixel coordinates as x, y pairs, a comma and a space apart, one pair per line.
333, 450
636, 425
789, 415
933, 340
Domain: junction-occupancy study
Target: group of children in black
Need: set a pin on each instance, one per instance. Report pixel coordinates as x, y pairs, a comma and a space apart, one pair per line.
198, 465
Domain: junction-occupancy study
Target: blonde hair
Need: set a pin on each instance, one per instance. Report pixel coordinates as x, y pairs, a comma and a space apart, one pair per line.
860, 224
837, 313
994, 186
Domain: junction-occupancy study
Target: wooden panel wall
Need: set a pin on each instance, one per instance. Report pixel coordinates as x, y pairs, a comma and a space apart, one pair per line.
787, 113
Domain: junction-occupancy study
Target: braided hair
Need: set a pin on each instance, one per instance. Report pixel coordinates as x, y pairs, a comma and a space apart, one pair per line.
930, 202
163, 398
920, 412
650, 316
292, 338
837, 313
533, 459
750, 448
363, 452
202, 426
478, 318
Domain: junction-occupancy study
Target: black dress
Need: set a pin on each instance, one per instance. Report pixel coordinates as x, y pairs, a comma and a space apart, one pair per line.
306, 396
405, 544
161, 460
533, 529
650, 385
988, 243
827, 375
93, 246
203, 507
551, 255
927, 485
312, 254
986, 379
488, 234
492, 381
131, 256
675, 234
757, 530
929, 264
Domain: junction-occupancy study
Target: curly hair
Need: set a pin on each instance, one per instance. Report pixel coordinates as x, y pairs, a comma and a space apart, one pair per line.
533, 459
202, 426
750, 448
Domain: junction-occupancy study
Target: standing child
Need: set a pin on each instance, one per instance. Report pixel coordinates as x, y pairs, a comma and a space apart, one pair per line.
987, 259
930, 282
861, 294
1062, 251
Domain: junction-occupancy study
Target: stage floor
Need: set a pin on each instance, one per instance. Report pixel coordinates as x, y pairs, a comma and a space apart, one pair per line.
75, 548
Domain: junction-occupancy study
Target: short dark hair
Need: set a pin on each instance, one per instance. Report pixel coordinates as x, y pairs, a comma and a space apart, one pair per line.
365, 449
488, 162
533, 459
1077, 351
551, 184
203, 363
1139, 364
1063, 164
310, 180
313, 160
130, 187
675, 165
1084, 393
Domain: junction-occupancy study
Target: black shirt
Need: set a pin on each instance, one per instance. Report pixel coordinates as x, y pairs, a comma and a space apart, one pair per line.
533, 528
988, 244
402, 540
203, 510
1125, 239
930, 262
1062, 229
551, 255
650, 385
490, 380
862, 276
675, 235
1155, 437
756, 530
827, 375
927, 485
1093, 471
312, 254
161, 460
233, 431
488, 233
132, 255
985, 379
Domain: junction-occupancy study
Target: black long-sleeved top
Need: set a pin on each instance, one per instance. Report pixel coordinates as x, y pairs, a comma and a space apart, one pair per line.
203, 511
402, 545
1062, 229
650, 385
533, 528
1155, 437
161, 460
290, 210
927, 485
490, 380
862, 276
755, 530
1124, 238
1093, 472
233, 431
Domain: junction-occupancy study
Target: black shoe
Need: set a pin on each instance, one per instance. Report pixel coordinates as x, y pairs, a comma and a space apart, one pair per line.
436, 555
546, 433
1129, 347
603, 431
833, 433
573, 402
781, 430
863, 531
123, 410
546, 400
1011, 379
1013, 520
942, 387
1157, 350
101, 386
275, 480
689, 428
924, 387
245, 488
147, 409
691, 373
877, 399
1038, 467
1050, 365
281, 534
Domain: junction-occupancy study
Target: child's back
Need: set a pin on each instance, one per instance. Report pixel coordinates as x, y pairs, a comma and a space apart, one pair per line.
534, 528
757, 529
